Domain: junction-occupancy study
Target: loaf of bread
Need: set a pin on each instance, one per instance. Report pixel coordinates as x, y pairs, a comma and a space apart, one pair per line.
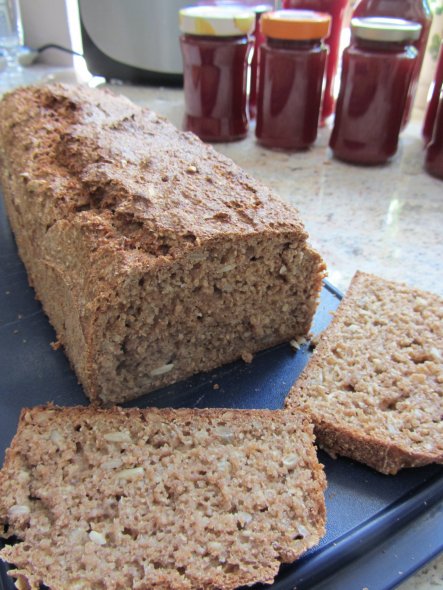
154, 256
374, 385
174, 499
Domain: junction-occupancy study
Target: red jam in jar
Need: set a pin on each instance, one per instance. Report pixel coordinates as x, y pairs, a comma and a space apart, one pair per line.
292, 65
376, 76
431, 111
417, 11
434, 152
216, 48
336, 9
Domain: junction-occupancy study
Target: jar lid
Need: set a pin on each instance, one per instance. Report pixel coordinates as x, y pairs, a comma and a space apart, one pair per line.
294, 25
377, 28
216, 21
261, 8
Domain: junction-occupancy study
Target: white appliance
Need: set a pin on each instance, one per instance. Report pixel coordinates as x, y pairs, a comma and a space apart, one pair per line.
132, 40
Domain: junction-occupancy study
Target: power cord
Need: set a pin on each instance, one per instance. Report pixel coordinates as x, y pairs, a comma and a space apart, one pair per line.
59, 47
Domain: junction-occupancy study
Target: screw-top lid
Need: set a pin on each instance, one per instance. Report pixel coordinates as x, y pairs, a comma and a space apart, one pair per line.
261, 8
377, 28
294, 25
216, 21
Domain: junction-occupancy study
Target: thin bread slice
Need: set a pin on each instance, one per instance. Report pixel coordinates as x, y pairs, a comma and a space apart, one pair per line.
171, 499
374, 385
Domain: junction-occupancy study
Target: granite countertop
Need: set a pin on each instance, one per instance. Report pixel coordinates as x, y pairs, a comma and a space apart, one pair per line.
386, 220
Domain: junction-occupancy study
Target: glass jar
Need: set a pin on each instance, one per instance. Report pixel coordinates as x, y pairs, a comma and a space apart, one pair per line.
431, 111
216, 47
377, 72
259, 10
434, 152
292, 65
418, 11
337, 9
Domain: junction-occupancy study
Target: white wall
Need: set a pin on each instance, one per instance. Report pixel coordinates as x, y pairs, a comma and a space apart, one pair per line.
46, 21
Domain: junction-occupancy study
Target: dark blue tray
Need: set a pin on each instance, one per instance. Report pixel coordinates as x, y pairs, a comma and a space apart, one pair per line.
380, 528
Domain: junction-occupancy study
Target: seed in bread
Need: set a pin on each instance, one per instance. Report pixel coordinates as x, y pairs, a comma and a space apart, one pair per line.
154, 256
171, 499
374, 385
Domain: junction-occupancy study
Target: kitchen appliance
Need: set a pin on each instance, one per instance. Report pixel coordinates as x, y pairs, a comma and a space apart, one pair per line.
135, 41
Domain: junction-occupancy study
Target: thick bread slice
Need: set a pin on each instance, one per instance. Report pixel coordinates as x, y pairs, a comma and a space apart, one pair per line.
374, 385
171, 499
154, 256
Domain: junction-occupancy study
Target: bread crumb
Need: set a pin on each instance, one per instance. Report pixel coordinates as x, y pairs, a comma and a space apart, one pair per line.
315, 339
216, 386
247, 357
296, 343
56, 345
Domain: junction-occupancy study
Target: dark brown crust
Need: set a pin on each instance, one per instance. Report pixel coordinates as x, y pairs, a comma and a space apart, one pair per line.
363, 439
37, 422
102, 194
381, 455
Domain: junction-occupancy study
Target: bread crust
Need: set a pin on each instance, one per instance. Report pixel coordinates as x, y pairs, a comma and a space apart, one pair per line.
81, 525
135, 234
374, 384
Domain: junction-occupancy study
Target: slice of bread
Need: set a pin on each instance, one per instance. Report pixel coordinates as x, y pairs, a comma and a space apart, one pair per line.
172, 499
374, 385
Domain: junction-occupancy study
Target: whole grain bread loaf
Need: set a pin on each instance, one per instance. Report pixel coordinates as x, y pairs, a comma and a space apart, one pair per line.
374, 385
154, 256
172, 499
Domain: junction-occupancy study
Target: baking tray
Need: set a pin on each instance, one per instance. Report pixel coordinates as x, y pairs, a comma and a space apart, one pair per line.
380, 529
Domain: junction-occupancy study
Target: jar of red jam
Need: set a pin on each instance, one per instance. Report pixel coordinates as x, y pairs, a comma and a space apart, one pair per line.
258, 8
434, 152
417, 11
377, 71
292, 66
216, 46
337, 10
431, 111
